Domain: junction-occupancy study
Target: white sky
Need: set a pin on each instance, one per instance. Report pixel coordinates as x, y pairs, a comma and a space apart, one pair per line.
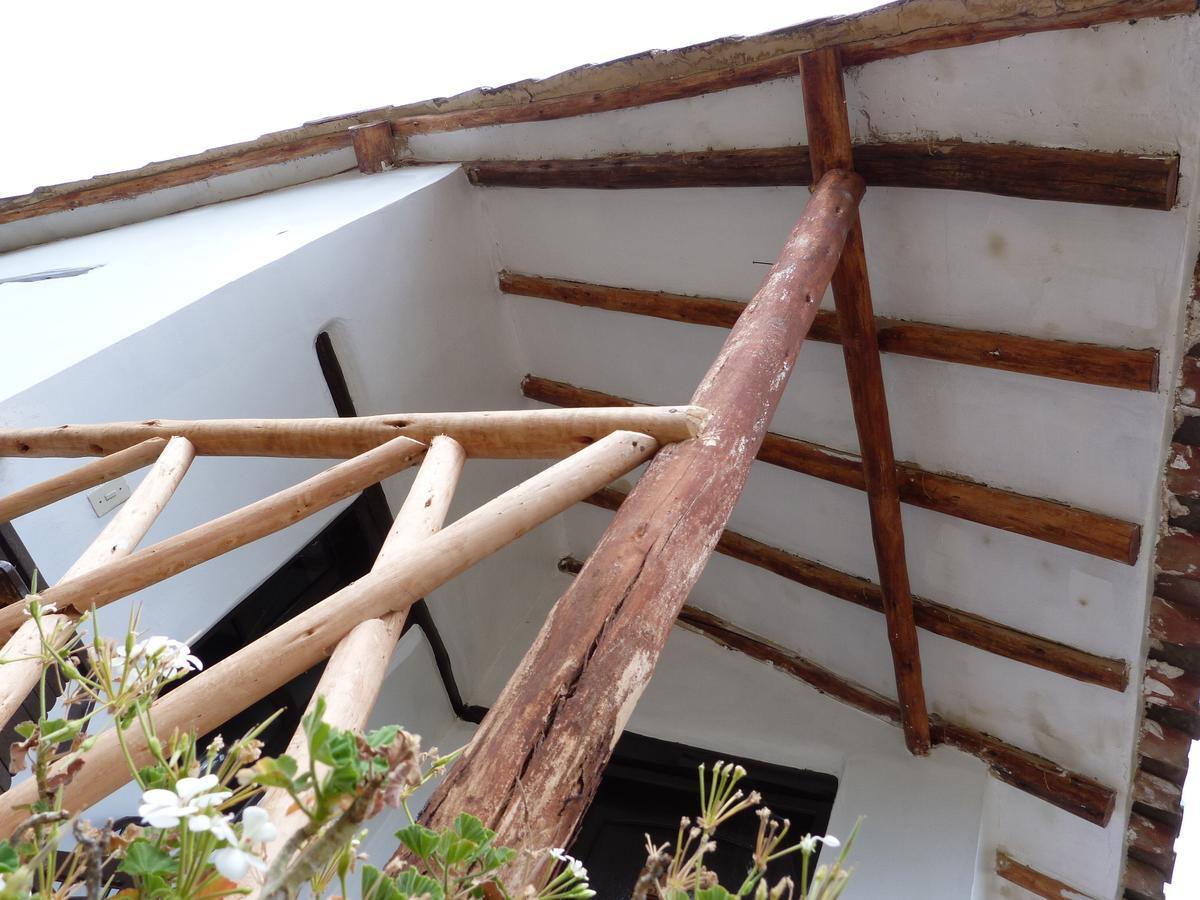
88, 88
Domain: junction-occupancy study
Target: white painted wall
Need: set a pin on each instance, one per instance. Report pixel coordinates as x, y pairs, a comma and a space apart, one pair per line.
401, 268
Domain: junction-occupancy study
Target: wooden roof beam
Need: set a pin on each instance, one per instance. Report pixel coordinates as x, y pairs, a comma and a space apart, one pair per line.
1029, 772
1010, 170
951, 495
830, 151
1037, 883
936, 618
1065, 360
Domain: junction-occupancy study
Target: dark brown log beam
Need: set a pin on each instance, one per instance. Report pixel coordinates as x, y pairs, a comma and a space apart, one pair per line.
534, 765
953, 495
937, 618
1163, 751
1065, 360
1142, 882
1038, 883
828, 125
1026, 771
1009, 170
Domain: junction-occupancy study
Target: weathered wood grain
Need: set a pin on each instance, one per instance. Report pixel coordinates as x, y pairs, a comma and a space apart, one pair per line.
1036, 882
556, 721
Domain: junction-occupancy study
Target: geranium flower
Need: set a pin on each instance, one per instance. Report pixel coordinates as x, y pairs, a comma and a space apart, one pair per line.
574, 866
235, 861
162, 808
809, 842
168, 656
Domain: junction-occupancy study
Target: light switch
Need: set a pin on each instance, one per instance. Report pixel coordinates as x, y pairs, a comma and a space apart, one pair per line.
108, 496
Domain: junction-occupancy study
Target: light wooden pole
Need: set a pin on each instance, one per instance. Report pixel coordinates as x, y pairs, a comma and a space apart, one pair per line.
205, 701
21, 656
358, 667
533, 766
499, 434
121, 577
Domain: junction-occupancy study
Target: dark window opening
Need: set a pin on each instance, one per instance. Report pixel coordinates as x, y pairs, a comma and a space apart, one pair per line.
650, 784
343, 552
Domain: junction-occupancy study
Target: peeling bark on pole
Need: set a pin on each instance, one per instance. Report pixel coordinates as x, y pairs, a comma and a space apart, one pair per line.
535, 763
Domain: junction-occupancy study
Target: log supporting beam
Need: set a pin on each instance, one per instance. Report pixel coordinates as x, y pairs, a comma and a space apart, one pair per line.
1118, 367
1010, 170
952, 495
519, 434
828, 127
1026, 771
126, 575
936, 618
128, 459
264, 665
558, 717
1038, 883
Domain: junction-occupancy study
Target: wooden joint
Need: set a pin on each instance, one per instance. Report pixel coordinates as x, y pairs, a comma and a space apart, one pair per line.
374, 147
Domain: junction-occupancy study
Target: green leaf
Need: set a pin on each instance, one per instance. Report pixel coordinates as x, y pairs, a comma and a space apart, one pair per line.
143, 858
273, 772
716, 892
381, 737
378, 886
420, 840
317, 729
25, 729
469, 827
497, 857
459, 851
153, 777
9, 861
412, 883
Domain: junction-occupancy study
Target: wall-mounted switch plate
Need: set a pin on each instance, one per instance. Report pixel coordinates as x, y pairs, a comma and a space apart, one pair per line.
108, 496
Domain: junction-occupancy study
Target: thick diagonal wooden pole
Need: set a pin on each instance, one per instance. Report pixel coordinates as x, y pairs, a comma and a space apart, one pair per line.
534, 765
21, 660
358, 667
829, 149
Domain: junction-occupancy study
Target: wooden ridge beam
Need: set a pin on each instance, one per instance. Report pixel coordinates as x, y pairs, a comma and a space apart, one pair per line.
953, 495
294, 647
1029, 772
1038, 883
936, 618
891, 31
556, 721
1065, 360
500, 434
1009, 170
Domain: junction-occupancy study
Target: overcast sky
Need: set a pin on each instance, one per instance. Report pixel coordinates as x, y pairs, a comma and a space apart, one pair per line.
89, 88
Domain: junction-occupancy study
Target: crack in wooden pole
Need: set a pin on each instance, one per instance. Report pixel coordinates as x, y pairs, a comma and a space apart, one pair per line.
535, 763
829, 148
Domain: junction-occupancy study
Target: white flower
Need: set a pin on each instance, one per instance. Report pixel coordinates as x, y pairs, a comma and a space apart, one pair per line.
162, 808
235, 861
257, 826
808, 843
574, 866
160, 656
